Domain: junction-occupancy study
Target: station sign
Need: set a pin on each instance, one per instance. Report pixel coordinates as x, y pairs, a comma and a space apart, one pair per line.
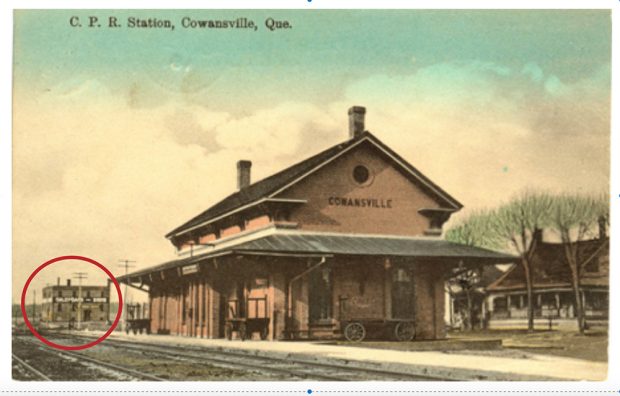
77, 299
377, 203
189, 269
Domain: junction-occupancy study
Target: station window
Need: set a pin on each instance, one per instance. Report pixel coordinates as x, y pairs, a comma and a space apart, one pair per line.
402, 275
361, 174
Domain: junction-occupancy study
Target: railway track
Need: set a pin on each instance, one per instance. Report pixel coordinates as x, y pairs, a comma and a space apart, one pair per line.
281, 367
81, 359
29, 369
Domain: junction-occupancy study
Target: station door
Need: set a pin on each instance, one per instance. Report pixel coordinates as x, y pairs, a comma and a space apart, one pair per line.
403, 294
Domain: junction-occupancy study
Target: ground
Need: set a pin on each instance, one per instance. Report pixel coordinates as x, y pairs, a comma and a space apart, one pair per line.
516, 344
590, 346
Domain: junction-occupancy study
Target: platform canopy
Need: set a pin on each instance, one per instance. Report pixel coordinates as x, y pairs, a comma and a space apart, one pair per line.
322, 244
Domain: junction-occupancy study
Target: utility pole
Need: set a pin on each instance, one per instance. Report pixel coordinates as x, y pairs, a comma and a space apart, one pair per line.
125, 265
79, 276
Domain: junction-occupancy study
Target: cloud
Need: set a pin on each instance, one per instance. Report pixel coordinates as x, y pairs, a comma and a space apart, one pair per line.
481, 131
98, 177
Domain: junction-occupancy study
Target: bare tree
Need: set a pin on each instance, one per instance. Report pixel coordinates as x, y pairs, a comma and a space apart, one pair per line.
575, 218
513, 226
517, 224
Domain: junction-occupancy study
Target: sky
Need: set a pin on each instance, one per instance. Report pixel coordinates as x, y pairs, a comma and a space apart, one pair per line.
120, 135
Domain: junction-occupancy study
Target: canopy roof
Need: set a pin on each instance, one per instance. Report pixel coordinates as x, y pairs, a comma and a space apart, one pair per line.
313, 244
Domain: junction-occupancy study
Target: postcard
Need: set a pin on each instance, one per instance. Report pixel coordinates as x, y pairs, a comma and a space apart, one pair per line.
326, 195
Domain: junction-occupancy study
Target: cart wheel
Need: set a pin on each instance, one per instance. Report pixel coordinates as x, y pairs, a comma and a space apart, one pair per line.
264, 333
140, 331
404, 331
228, 331
242, 331
135, 331
355, 332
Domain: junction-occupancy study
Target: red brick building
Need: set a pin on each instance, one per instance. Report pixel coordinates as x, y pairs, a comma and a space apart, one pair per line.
64, 304
353, 232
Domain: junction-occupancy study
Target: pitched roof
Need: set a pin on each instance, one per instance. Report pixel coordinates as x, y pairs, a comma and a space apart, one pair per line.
549, 267
296, 243
274, 183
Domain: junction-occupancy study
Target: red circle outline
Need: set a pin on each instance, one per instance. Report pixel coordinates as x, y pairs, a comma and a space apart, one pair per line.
72, 347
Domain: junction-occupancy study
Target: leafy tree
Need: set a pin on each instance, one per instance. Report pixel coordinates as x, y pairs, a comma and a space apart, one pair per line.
576, 218
465, 280
475, 230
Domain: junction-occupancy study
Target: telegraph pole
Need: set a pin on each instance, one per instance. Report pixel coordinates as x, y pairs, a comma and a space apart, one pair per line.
79, 276
125, 265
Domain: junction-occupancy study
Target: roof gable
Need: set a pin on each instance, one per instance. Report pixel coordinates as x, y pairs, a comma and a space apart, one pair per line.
280, 181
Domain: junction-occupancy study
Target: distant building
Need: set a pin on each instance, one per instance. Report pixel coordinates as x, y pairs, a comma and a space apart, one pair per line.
62, 302
554, 298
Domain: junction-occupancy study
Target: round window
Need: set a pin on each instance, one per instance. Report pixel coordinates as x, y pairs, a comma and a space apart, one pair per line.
361, 174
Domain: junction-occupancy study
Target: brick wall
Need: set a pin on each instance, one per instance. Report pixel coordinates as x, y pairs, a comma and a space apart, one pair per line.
358, 284
429, 300
387, 183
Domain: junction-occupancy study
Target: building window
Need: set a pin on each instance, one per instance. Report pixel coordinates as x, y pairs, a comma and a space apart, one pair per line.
361, 174
88, 294
59, 307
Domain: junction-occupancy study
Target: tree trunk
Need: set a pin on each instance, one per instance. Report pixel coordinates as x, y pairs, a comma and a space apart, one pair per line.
579, 308
530, 295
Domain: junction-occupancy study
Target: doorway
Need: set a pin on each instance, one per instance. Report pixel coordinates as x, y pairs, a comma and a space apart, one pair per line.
403, 293
320, 295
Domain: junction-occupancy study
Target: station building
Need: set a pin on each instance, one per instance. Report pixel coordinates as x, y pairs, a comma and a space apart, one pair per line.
63, 304
353, 232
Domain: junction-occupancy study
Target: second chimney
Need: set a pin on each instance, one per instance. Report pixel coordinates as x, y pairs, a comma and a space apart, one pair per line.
68, 282
243, 174
356, 121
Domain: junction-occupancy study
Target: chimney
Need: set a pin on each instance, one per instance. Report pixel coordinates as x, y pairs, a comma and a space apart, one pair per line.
356, 121
243, 173
68, 282
602, 228
58, 281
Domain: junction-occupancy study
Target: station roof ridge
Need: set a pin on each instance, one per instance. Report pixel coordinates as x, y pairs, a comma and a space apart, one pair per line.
276, 183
